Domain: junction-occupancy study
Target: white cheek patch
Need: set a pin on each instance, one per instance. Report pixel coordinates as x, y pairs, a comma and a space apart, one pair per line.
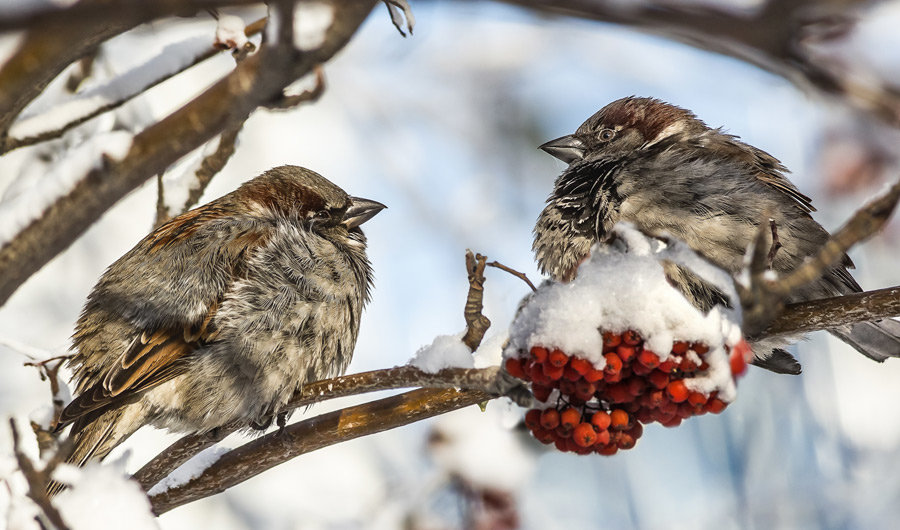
670, 130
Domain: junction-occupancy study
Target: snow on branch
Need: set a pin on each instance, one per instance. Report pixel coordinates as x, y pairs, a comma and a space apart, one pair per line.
255, 82
172, 60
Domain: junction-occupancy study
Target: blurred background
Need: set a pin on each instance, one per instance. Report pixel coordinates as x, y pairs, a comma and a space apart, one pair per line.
443, 127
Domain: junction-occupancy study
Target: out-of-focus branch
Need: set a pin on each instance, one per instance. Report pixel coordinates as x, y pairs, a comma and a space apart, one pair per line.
339, 426
255, 82
772, 37
9, 143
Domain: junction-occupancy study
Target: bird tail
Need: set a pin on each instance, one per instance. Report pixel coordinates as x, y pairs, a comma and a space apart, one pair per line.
876, 340
94, 439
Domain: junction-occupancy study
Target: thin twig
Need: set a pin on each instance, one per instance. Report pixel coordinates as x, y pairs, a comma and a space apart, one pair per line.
521, 275
37, 480
307, 96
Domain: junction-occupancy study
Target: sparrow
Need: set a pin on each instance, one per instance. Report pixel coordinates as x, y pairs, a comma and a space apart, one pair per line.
659, 167
222, 313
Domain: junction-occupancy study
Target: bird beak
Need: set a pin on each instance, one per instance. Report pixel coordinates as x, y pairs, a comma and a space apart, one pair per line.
360, 211
567, 148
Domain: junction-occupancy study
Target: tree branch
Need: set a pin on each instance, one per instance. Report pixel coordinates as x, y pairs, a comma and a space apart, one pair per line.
826, 313
771, 38
339, 426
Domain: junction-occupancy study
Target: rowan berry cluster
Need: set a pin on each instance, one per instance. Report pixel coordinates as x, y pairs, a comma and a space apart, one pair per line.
602, 410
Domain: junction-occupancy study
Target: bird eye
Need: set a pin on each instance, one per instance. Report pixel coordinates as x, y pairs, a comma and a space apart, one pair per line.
321, 215
606, 135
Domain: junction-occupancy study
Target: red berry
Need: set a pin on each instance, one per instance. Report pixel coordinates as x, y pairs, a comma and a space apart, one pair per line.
648, 359
585, 387
677, 391
625, 441
644, 415
571, 446
658, 379
533, 419
607, 450
696, 398
687, 366
738, 363
626, 353
571, 374
636, 386
611, 340
561, 445
550, 419
700, 348
558, 358
566, 388
674, 422
636, 430
631, 338
656, 399
613, 364
541, 392
553, 372
544, 436
569, 418
582, 366
584, 435
561, 432
514, 368
618, 393
539, 354
602, 438
593, 375
668, 366
601, 420
619, 420
640, 369
680, 347
685, 410
668, 407
715, 405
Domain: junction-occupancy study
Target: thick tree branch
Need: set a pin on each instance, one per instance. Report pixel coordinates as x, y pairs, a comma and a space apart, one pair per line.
328, 429
814, 315
763, 300
254, 83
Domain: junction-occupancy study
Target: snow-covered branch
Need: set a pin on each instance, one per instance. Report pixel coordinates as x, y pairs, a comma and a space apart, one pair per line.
255, 82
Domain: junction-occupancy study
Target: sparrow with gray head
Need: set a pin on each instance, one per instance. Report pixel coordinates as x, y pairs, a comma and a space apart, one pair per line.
660, 168
222, 313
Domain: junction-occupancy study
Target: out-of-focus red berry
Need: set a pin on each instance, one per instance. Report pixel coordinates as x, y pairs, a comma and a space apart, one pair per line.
680, 347
607, 450
618, 393
636, 386
613, 364
593, 375
700, 348
648, 359
738, 363
715, 405
626, 353
611, 340
553, 372
668, 366
514, 368
696, 398
570, 374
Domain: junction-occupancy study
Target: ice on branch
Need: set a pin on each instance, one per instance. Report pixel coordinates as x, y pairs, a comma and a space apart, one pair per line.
171, 60
26, 201
447, 351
